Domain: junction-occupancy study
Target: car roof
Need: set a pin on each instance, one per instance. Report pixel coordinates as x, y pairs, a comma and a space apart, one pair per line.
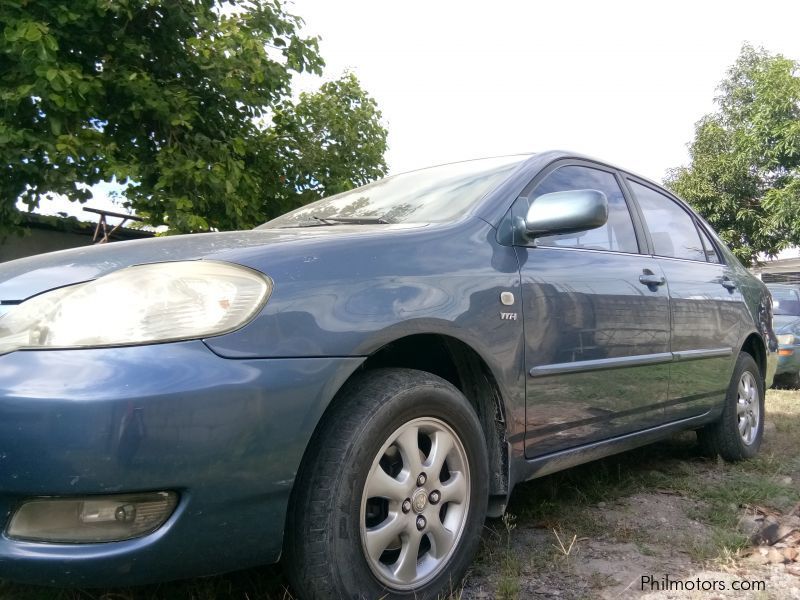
537, 161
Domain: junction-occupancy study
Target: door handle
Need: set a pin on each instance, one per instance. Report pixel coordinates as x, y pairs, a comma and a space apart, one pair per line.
650, 279
728, 284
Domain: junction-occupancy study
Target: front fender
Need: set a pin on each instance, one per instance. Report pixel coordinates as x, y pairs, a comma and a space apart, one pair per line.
350, 297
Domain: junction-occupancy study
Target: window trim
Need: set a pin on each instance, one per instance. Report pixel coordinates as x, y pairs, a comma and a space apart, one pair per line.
704, 237
638, 228
711, 235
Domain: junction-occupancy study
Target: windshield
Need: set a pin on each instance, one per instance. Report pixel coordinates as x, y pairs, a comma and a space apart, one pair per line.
785, 301
436, 194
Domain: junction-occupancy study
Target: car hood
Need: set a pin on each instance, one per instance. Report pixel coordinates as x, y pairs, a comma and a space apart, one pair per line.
20, 279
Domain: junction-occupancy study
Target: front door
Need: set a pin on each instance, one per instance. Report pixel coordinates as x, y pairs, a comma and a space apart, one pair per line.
596, 318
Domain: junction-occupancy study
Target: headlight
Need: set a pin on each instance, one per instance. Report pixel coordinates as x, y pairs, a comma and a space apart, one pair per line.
786, 339
137, 305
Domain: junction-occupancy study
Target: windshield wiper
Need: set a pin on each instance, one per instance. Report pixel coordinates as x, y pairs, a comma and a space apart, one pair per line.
351, 220
316, 221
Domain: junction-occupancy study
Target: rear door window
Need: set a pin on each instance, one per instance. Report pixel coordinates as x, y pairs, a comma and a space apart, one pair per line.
672, 229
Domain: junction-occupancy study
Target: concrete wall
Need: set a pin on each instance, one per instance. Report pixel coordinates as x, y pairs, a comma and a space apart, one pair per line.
38, 241
47, 234
785, 270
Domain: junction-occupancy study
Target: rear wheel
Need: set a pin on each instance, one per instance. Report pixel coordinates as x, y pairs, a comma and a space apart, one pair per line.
392, 495
789, 381
737, 434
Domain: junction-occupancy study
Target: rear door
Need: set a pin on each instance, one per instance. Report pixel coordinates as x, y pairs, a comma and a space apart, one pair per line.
596, 333
706, 307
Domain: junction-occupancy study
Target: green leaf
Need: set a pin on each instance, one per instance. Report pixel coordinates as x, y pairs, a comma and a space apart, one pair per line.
187, 116
745, 156
33, 33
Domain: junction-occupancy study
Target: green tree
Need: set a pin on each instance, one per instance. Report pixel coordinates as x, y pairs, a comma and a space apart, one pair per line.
744, 173
175, 97
329, 142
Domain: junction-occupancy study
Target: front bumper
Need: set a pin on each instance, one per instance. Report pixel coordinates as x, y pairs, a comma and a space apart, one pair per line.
227, 435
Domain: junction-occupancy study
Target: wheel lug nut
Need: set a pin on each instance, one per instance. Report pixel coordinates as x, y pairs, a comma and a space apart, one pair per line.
422, 479
406, 505
421, 522
434, 497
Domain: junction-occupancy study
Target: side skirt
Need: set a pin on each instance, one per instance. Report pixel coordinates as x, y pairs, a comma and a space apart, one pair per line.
565, 459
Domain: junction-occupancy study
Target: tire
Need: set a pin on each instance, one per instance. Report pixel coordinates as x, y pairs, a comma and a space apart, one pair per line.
787, 381
793, 381
358, 481
738, 432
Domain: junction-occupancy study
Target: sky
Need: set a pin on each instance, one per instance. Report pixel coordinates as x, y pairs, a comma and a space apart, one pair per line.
622, 81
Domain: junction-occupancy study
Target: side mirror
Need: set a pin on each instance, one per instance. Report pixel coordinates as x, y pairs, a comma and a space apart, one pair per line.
566, 212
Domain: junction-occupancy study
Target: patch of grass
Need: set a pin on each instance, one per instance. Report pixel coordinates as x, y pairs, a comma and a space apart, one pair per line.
598, 581
541, 558
508, 588
717, 489
701, 550
556, 498
723, 488
565, 545
456, 591
625, 531
644, 548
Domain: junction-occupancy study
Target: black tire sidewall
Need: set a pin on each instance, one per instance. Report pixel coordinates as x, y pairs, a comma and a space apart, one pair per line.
794, 381
733, 444
432, 397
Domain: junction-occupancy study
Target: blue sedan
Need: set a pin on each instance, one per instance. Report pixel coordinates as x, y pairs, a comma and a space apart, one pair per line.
354, 386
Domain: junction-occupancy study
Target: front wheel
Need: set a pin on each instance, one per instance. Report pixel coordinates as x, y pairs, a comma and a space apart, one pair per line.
737, 434
392, 494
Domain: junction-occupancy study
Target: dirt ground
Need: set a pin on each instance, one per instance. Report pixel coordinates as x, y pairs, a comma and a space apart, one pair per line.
659, 522
612, 564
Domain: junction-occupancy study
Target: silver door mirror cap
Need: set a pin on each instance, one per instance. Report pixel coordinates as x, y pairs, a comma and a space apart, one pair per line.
566, 212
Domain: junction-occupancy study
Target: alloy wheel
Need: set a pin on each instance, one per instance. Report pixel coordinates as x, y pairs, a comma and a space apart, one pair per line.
415, 503
748, 408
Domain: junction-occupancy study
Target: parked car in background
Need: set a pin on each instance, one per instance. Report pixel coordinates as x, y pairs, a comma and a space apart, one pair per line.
356, 384
786, 308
